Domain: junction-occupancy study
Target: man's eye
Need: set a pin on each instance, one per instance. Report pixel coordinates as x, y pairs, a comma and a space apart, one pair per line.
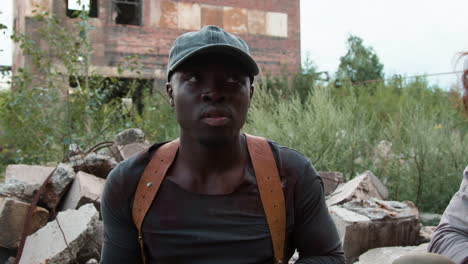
192, 79
232, 80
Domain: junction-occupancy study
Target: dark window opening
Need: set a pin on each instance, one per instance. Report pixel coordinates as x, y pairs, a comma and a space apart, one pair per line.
128, 12
74, 11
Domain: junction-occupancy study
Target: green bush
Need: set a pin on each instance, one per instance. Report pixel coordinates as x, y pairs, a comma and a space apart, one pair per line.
409, 135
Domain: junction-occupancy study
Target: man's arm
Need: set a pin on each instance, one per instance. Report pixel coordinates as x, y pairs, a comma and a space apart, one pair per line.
315, 234
451, 236
120, 234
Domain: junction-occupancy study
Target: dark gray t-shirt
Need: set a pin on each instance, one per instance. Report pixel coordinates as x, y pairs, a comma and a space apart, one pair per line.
186, 227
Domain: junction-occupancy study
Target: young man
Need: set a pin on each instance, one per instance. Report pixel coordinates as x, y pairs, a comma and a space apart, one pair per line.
208, 208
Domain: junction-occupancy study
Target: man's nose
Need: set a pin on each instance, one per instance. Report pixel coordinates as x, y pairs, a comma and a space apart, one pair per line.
213, 93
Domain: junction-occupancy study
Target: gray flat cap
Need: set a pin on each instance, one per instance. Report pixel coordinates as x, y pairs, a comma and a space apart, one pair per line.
210, 39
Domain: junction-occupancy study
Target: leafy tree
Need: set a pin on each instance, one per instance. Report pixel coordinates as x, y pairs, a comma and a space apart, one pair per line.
360, 62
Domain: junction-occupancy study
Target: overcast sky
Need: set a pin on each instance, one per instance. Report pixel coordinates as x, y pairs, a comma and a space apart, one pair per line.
411, 37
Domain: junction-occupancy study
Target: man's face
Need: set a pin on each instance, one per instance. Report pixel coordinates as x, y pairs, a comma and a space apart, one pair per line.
211, 95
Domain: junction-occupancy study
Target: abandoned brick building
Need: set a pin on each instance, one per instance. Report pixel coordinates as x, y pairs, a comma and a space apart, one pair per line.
147, 28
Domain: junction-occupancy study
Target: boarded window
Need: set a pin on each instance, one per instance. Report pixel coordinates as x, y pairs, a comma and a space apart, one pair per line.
127, 12
74, 7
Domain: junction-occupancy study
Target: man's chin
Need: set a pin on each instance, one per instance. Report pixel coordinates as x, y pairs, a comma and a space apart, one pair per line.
214, 141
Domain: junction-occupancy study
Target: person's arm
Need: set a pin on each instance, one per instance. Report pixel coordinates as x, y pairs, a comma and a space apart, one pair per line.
315, 234
120, 234
451, 236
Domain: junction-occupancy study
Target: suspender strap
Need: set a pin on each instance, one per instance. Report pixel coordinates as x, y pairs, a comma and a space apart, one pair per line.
149, 184
271, 192
268, 182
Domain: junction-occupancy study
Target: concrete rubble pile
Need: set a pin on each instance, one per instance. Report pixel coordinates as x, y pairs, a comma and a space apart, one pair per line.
74, 233
65, 226
366, 221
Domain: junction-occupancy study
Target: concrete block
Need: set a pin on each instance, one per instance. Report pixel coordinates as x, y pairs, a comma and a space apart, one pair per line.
25, 180
95, 164
13, 214
386, 255
86, 188
126, 151
32, 173
131, 135
331, 180
59, 183
92, 250
277, 24
363, 187
235, 20
48, 245
369, 224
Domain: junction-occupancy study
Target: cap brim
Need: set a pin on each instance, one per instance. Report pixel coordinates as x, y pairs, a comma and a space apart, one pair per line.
238, 54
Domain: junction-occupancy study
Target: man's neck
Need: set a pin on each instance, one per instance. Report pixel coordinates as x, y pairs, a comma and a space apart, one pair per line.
207, 158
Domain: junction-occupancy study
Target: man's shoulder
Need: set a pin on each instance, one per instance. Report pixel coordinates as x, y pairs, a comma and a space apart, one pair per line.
292, 164
288, 156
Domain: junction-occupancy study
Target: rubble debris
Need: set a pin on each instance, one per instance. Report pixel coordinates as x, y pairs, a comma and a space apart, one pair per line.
59, 183
127, 143
386, 255
92, 250
331, 180
31, 173
92, 163
22, 181
425, 234
86, 188
368, 224
25, 180
377, 209
126, 151
6, 254
128, 136
13, 214
11, 260
363, 187
47, 245
294, 257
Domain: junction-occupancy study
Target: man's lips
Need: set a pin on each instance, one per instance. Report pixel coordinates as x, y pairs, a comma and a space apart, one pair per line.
216, 121
216, 117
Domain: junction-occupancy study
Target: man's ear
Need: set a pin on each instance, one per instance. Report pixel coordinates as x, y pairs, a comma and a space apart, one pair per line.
251, 91
170, 93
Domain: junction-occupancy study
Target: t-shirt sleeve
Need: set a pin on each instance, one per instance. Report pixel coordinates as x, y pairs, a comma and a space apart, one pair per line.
451, 236
120, 234
315, 236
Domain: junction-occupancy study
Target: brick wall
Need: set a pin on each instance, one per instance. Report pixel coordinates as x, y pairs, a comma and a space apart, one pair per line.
270, 27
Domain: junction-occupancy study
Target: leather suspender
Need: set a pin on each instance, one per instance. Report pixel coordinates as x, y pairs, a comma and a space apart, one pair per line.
149, 184
268, 182
271, 191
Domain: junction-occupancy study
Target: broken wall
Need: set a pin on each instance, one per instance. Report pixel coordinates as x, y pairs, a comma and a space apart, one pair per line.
270, 27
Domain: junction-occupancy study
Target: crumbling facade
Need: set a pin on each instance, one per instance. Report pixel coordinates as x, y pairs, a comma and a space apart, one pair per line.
147, 28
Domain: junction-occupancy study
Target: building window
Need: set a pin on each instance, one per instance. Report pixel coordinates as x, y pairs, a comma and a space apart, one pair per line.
74, 7
127, 12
